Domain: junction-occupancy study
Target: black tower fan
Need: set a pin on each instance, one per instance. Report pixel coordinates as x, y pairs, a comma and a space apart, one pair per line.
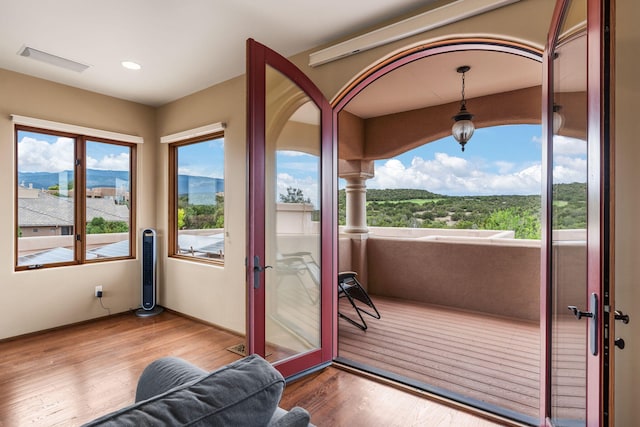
149, 283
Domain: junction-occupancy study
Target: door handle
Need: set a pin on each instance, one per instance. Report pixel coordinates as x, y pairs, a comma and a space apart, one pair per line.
578, 313
257, 269
618, 315
592, 314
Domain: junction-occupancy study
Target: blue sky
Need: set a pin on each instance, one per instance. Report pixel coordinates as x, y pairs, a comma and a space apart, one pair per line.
497, 160
501, 160
204, 159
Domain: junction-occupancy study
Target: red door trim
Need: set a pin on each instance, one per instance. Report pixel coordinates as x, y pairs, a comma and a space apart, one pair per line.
255, 195
598, 218
258, 57
546, 304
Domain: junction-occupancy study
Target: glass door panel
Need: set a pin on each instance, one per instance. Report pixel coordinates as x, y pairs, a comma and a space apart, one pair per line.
569, 231
292, 234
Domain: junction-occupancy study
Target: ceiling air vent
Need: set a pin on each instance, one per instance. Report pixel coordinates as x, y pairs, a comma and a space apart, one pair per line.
58, 61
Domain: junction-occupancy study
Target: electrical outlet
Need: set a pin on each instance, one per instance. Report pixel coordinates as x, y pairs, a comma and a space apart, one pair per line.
98, 292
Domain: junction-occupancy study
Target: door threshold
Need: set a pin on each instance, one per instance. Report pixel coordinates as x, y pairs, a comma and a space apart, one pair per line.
454, 400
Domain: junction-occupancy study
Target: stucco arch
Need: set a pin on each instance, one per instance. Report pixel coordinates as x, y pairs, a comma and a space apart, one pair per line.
389, 135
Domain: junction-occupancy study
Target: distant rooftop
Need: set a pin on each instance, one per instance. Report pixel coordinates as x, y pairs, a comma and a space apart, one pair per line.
49, 210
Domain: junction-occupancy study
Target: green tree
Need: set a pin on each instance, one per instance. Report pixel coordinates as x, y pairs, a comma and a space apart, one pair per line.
193, 217
56, 188
294, 195
99, 225
525, 224
520, 213
181, 222
219, 213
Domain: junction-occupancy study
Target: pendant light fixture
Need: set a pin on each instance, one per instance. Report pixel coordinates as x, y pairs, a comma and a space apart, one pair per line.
463, 127
558, 118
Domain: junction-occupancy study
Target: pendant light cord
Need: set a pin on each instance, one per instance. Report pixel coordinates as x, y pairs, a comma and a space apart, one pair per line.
463, 102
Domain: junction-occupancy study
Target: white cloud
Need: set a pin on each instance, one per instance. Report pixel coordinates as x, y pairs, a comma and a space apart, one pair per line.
569, 159
567, 169
36, 155
41, 156
308, 185
504, 167
111, 162
453, 175
307, 167
297, 161
567, 145
186, 171
292, 153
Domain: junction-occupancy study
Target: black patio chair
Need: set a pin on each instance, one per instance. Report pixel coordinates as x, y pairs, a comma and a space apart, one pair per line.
350, 288
301, 265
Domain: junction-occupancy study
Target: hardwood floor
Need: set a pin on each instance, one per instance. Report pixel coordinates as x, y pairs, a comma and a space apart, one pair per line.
335, 397
71, 375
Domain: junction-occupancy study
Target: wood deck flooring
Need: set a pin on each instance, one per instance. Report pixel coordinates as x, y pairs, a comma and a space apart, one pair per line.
482, 360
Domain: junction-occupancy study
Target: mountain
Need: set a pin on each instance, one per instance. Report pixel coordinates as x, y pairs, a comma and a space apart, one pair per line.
43, 180
378, 195
105, 178
95, 178
191, 184
108, 178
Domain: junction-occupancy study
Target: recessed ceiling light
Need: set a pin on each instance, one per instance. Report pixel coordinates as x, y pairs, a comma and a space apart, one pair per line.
131, 65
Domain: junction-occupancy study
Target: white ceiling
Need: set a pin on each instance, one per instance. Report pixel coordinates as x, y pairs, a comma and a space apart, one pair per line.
183, 45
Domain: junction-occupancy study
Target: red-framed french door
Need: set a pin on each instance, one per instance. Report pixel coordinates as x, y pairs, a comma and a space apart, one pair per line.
575, 263
576, 107
291, 215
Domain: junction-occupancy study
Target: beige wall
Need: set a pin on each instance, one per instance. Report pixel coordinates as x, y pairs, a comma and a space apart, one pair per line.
505, 278
506, 273
42, 299
212, 293
627, 210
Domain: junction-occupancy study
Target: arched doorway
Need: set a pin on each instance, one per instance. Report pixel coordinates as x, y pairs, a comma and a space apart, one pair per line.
403, 102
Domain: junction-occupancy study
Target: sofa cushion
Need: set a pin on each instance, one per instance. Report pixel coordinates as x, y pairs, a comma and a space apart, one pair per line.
244, 393
164, 374
296, 417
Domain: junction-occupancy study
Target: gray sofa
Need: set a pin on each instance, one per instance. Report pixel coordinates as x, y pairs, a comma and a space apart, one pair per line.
173, 392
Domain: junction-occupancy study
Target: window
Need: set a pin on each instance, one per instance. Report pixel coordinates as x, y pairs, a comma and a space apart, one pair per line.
74, 198
196, 171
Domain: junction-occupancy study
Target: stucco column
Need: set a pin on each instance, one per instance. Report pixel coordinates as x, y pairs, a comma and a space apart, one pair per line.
356, 172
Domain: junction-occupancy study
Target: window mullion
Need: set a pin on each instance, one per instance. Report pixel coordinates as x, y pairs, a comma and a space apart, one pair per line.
80, 199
